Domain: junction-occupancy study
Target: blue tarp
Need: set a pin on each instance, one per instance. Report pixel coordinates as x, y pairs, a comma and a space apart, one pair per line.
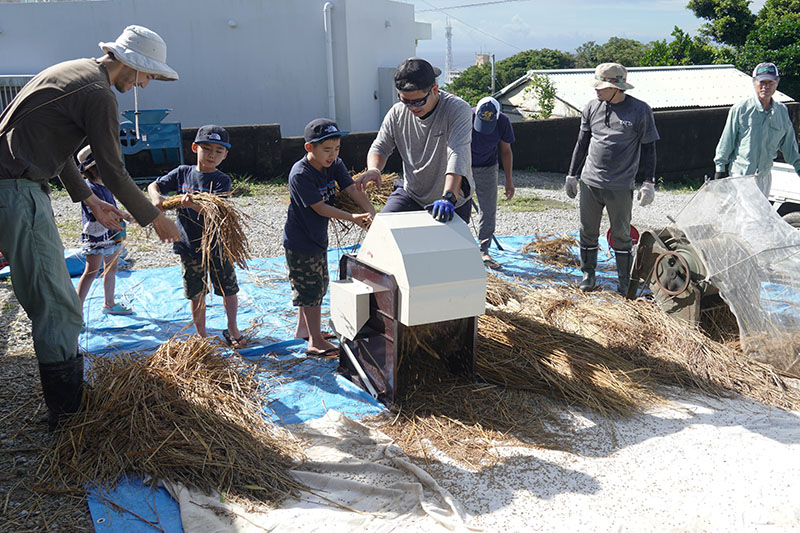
304, 391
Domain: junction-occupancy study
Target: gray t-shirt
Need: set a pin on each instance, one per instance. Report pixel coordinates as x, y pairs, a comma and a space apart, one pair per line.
613, 158
430, 148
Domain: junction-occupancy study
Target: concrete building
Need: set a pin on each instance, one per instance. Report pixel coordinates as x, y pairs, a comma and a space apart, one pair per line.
240, 61
663, 88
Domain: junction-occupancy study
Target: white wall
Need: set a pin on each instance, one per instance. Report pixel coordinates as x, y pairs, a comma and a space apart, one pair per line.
269, 68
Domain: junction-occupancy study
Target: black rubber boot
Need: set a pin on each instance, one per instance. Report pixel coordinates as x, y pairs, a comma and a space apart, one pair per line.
62, 386
588, 266
624, 264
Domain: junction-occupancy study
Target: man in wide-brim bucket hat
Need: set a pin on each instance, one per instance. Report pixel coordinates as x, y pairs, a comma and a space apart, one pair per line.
65, 107
142, 50
617, 137
611, 75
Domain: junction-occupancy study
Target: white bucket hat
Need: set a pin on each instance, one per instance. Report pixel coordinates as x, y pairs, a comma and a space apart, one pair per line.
611, 75
143, 50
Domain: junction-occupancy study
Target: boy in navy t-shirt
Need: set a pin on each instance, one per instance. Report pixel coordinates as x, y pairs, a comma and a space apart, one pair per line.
211, 144
312, 185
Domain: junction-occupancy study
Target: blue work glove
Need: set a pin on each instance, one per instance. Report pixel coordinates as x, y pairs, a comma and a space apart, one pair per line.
442, 210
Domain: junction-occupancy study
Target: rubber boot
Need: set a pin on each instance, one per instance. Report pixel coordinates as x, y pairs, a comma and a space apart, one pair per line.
62, 386
588, 266
624, 265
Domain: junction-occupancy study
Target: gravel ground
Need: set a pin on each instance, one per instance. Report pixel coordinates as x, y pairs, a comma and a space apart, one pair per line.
23, 432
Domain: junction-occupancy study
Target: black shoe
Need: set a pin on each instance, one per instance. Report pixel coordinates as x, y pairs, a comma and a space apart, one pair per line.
62, 387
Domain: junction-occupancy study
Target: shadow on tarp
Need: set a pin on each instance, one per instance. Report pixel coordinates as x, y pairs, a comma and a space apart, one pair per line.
299, 388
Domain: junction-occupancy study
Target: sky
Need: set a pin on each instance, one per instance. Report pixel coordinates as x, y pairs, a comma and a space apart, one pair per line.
503, 29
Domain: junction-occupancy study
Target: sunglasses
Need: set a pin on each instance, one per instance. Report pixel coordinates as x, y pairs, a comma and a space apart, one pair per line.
419, 102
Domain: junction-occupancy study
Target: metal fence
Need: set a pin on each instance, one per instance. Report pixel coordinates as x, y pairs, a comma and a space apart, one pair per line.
10, 86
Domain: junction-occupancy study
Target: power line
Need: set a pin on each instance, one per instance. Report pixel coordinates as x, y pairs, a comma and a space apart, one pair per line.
468, 5
443, 10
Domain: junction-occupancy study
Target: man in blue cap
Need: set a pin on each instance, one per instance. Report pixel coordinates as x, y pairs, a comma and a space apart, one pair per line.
492, 136
756, 129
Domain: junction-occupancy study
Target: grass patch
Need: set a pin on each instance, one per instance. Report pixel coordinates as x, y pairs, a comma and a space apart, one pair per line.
246, 186
69, 229
683, 184
531, 203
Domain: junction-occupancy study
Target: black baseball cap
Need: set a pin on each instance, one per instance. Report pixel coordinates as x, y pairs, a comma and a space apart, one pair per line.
213, 134
320, 129
415, 74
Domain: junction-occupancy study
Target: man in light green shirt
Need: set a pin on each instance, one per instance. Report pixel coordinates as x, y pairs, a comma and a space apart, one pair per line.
755, 130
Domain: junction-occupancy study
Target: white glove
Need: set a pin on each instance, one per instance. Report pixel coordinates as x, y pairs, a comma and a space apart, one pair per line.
647, 193
571, 186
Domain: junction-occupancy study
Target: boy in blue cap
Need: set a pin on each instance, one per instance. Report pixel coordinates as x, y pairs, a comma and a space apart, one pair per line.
312, 185
211, 144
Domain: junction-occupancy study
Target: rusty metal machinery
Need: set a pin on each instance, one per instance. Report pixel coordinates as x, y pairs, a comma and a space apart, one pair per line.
671, 268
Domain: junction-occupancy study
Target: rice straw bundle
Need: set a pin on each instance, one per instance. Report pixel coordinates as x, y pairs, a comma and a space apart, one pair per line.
186, 413
552, 249
377, 196
674, 352
518, 352
223, 226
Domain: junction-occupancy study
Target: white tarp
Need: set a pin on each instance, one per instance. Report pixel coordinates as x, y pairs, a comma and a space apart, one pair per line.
359, 481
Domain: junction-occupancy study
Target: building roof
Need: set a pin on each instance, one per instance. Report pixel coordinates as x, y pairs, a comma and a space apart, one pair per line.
660, 87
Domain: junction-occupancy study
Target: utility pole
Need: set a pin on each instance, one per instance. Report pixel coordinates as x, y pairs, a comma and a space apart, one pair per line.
492, 74
448, 57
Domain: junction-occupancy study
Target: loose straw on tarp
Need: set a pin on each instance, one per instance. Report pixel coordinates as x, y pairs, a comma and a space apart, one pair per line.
186, 413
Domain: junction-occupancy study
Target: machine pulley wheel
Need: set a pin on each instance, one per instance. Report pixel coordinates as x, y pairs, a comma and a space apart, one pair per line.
683, 263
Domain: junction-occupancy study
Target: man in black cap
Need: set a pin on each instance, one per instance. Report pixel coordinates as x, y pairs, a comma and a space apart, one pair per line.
751, 149
432, 131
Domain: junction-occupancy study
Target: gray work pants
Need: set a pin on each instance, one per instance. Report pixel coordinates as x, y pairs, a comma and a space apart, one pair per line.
486, 193
618, 204
30, 242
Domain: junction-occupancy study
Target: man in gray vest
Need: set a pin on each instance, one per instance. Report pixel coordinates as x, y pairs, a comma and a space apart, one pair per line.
58, 111
617, 136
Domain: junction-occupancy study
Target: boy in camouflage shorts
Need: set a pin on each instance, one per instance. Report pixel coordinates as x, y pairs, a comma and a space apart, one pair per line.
211, 144
312, 185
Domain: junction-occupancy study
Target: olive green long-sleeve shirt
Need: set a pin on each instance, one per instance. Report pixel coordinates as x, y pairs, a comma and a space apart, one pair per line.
54, 115
752, 138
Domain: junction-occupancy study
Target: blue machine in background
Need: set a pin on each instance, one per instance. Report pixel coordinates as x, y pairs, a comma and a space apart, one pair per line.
159, 148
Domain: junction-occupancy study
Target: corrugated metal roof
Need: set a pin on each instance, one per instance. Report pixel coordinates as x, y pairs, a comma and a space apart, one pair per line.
660, 87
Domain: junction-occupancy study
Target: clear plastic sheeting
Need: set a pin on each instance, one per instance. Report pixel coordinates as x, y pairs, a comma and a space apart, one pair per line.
753, 257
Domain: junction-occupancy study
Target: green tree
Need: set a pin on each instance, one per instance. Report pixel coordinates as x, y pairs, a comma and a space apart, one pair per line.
586, 55
775, 38
730, 21
475, 82
545, 92
684, 50
627, 52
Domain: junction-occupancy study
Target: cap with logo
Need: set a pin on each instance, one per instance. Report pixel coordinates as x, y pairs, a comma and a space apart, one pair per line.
766, 71
486, 113
320, 129
415, 74
608, 75
85, 158
213, 134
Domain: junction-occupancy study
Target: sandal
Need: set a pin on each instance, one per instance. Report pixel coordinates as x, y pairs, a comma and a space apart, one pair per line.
489, 262
332, 352
234, 343
118, 309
